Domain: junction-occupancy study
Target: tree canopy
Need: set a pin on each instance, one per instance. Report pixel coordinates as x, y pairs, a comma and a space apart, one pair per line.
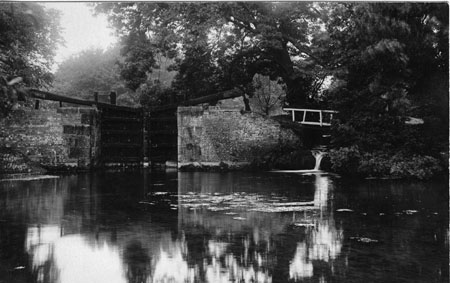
219, 45
97, 70
29, 35
89, 71
390, 61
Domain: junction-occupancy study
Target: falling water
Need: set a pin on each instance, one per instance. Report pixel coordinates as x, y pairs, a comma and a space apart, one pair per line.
318, 155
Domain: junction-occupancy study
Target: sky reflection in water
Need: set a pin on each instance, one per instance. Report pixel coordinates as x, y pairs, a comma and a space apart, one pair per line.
189, 227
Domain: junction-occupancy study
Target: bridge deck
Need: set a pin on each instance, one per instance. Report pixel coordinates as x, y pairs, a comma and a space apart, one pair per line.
312, 117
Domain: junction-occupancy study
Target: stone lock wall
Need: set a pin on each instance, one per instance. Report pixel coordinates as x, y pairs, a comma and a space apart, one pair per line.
81, 134
212, 136
60, 138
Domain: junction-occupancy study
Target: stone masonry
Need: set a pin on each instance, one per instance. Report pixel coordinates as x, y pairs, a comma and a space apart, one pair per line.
61, 138
213, 136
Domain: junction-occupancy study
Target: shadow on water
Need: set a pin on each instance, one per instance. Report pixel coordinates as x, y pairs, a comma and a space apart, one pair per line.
221, 227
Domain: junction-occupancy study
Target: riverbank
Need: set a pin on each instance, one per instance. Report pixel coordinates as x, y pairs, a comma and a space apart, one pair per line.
349, 163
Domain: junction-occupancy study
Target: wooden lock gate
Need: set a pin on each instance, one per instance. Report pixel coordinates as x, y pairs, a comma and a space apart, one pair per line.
122, 135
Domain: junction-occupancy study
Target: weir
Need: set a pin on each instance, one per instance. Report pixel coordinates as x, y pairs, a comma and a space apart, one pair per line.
318, 155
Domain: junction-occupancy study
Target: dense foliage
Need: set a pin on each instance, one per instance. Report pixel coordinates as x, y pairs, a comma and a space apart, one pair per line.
96, 70
390, 62
29, 35
350, 161
219, 46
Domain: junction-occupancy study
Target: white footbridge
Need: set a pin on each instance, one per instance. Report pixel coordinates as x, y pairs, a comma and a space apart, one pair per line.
312, 117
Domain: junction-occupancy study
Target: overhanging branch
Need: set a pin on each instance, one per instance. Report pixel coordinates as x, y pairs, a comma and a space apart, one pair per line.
300, 48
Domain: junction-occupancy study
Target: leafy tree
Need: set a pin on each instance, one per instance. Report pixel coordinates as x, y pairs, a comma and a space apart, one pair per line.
139, 59
196, 75
383, 57
157, 88
29, 34
163, 72
268, 96
208, 38
89, 71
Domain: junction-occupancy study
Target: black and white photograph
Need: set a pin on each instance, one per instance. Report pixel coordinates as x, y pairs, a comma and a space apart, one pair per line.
224, 141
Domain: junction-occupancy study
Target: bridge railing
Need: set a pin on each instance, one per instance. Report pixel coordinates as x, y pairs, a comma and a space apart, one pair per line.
314, 117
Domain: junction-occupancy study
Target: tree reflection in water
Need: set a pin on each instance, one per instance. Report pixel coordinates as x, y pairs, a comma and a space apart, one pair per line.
39, 244
171, 264
71, 258
208, 228
323, 241
233, 235
137, 262
244, 248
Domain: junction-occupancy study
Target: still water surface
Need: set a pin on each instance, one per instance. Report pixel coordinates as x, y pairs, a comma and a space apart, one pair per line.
232, 227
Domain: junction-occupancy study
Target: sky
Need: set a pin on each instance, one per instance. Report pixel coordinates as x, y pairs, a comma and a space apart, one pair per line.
81, 30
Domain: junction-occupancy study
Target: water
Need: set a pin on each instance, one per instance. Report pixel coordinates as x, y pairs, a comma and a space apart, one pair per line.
211, 227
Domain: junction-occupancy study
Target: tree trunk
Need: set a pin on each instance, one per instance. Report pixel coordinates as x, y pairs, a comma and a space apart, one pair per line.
298, 85
297, 91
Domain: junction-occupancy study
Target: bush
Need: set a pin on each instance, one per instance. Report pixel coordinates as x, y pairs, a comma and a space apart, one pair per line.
345, 160
421, 167
156, 95
374, 165
350, 161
